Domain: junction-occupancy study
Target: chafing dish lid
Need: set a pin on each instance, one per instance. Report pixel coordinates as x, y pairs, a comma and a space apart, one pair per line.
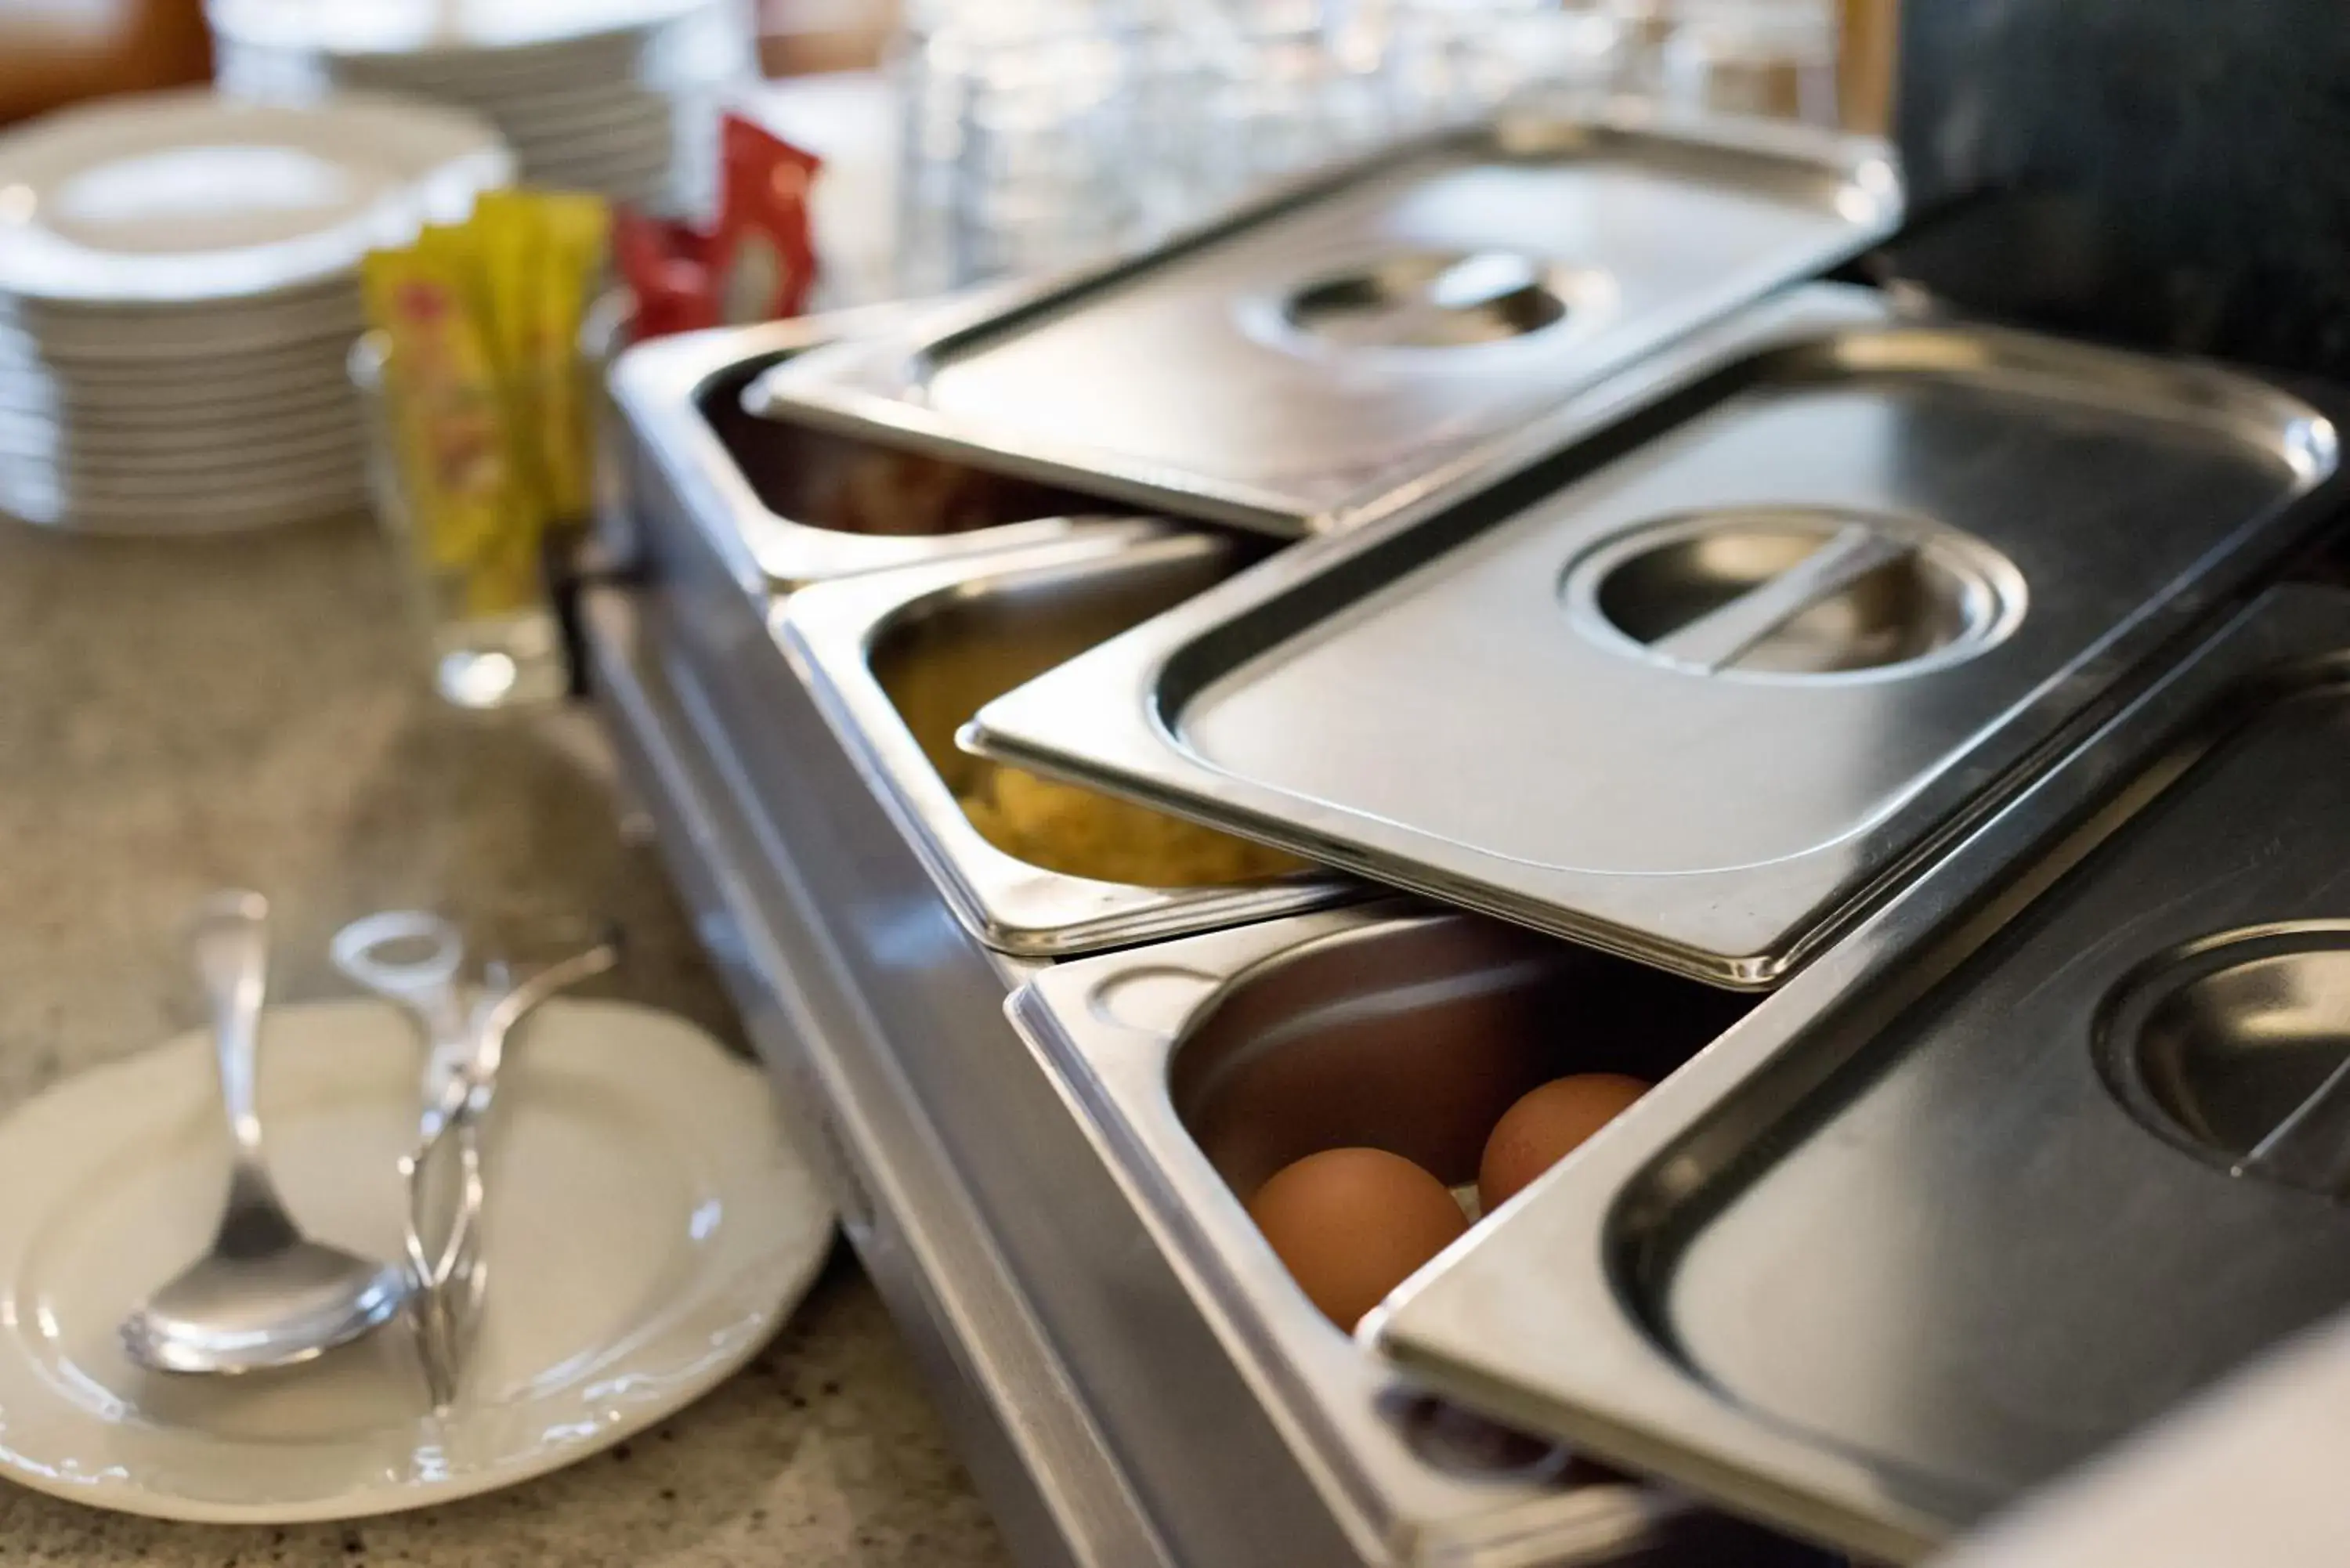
1704, 680
1365, 330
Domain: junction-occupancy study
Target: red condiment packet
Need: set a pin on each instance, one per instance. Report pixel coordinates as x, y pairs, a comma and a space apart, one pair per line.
665, 269
764, 254
758, 263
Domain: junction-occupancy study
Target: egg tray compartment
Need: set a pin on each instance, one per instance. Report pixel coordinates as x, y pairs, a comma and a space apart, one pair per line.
1205, 1064
1415, 1039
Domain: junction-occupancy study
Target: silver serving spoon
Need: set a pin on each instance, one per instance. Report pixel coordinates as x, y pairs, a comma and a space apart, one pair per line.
265, 1295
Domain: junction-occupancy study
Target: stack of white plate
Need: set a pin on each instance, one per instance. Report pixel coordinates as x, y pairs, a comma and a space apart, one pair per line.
179, 289
621, 97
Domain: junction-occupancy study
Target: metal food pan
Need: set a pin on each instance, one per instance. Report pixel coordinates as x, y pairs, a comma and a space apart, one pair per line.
1759, 626
900, 660
1201, 1063
2051, 1143
791, 505
1369, 332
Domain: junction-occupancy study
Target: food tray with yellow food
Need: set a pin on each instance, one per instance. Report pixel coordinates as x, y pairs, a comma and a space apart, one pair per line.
901, 659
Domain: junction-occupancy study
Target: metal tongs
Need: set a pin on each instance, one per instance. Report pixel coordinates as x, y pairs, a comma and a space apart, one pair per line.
417, 958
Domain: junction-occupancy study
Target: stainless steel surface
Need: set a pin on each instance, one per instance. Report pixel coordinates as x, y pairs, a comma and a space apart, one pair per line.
763, 490
1203, 1065
1921, 1232
263, 1295
1368, 333
980, 626
1760, 625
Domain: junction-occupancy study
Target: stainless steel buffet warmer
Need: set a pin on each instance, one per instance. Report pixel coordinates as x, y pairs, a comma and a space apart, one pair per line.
1789, 646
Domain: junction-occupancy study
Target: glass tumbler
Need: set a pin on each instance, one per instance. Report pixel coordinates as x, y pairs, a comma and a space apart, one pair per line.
472, 544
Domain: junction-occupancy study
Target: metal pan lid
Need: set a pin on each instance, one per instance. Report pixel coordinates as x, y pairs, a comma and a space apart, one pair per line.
1773, 616
2013, 1172
1367, 332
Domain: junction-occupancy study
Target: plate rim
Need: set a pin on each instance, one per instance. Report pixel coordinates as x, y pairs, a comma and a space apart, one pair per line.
441, 153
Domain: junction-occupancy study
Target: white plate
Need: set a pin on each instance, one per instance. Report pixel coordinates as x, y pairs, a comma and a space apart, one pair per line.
415, 26
707, 42
45, 413
226, 426
186, 196
627, 121
614, 181
288, 368
238, 515
339, 289
165, 477
207, 504
153, 462
647, 1229
150, 336
117, 359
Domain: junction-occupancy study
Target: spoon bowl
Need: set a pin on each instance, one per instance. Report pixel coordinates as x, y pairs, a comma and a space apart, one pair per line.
263, 1295
280, 1308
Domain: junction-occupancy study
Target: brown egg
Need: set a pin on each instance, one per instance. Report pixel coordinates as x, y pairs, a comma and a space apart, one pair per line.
1546, 1125
1353, 1223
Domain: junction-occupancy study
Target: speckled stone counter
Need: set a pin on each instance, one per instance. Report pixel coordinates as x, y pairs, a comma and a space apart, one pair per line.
178, 716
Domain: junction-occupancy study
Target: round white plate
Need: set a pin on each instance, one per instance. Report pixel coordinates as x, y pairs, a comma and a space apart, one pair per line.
163, 473
230, 408
710, 41
122, 466
337, 290
32, 413
569, 171
186, 196
647, 1229
157, 336
242, 514
222, 366
417, 27
629, 123
202, 378
119, 468
613, 181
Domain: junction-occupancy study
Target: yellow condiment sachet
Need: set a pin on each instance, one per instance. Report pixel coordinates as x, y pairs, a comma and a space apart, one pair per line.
489, 404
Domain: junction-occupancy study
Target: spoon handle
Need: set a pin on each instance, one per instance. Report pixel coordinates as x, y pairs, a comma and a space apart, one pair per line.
231, 945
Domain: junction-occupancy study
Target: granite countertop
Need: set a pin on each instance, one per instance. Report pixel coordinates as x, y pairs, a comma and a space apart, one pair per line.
184, 715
